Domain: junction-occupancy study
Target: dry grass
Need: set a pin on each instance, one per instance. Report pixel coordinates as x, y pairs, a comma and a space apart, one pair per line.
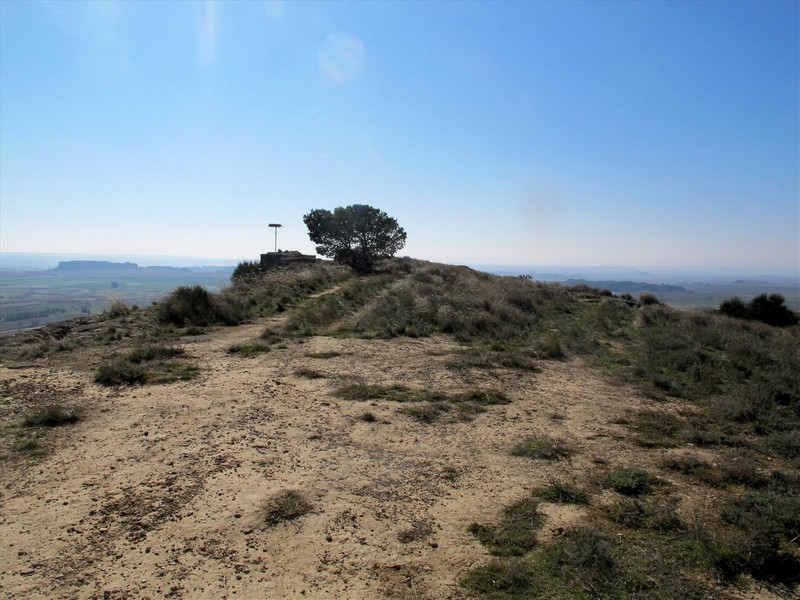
542, 447
286, 505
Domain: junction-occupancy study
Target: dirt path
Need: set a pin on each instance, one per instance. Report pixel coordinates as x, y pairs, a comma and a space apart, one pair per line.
160, 491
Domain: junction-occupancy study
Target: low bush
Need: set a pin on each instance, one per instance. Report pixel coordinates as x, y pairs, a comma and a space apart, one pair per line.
119, 372
516, 533
648, 299
196, 306
559, 492
631, 482
657, 515
117, 309
52, 415
309, 373
694, 467
149, 352
656, 428
368, 417
249, 348
551, 348
769, 521
246, 269
427, 412
767, 309
361, 392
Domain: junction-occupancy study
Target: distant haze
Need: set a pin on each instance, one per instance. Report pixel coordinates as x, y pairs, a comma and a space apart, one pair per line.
786, 277
20, 261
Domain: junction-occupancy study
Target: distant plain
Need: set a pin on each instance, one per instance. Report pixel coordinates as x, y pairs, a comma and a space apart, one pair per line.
33, 293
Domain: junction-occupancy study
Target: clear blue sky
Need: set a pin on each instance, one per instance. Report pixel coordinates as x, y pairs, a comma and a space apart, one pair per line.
635, 133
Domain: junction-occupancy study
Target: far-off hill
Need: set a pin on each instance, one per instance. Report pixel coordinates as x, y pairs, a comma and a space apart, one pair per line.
424, 431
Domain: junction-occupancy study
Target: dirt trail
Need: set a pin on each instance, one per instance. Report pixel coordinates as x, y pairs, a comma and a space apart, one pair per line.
159, 491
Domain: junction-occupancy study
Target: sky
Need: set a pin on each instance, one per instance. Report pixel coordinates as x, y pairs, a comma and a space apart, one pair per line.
569, 133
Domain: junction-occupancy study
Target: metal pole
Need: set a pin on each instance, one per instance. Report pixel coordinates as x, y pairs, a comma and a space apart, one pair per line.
275, 226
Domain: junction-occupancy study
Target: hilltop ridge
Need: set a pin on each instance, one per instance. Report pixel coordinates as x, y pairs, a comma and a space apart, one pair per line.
425, 431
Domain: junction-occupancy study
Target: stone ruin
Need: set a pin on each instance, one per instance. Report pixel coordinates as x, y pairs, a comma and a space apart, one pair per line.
287, 258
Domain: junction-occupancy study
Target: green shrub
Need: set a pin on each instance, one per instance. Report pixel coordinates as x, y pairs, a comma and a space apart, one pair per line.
768, 520
648, 299
734, 308
559, 492
656, 428
785, 443
767, 309
516, 533
361, 392
246, 269
504, 578
657, 515
249, 348
187, 306
150, 352
588, 556
542, 447
631, 482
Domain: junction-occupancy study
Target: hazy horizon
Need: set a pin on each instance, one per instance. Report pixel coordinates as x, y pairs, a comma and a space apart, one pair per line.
22, 261
652, 134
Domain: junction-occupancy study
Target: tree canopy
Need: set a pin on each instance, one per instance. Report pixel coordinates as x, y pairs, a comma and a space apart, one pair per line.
356, 235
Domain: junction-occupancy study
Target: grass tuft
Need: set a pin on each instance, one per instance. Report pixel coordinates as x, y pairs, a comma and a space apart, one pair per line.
286, 505
631, 482
309, 373
249, 349
542, 447
52, 415
119, 372
559, 492
516, 533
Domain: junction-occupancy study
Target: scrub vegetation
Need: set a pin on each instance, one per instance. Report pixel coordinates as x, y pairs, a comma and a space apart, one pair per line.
724, 412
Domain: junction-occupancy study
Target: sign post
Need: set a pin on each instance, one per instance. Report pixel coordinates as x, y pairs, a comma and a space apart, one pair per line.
275, 226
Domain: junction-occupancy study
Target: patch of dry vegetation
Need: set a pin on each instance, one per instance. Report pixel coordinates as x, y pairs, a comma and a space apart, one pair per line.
286, 505
148, 363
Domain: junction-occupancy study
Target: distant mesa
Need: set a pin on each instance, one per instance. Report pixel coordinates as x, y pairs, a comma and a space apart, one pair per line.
105, 268
285, 258
93, 265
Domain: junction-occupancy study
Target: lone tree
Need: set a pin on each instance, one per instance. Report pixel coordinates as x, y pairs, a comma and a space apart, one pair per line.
356, 235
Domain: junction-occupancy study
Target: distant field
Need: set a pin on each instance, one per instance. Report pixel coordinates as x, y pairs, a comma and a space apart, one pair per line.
34, 299
711, 296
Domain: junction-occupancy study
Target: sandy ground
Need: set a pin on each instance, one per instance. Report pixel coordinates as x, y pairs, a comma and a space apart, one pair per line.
160, 490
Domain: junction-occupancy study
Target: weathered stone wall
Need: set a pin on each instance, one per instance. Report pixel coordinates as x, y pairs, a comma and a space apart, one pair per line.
282, 259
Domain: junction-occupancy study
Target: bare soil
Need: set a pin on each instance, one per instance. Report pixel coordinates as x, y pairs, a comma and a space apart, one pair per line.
160, 491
